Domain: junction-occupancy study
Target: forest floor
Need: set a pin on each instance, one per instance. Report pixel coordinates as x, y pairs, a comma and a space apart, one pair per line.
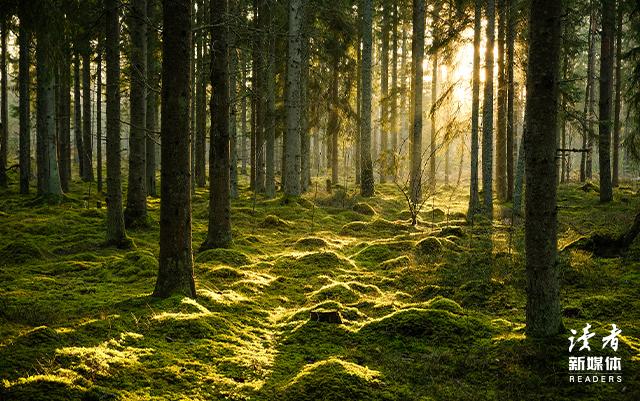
429, 313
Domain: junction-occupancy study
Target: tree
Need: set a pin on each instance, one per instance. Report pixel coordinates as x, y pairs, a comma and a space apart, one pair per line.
543, 296
99, 115
487, 115
618, 95
4, 106
366, 166
219, 232
116, 234
433, 145
175, 273
417, 55
606, 80
77, 112
24, 79
153, 77
510, 39
292, 145
384, 93
136, 210
270, 111
474, 201
86, 114
501, 133
201, 81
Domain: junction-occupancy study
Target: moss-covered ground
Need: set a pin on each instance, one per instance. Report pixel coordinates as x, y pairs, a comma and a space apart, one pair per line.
433, 312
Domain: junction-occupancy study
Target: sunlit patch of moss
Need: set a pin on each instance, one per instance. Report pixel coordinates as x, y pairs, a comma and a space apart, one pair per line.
395, 263
223, 256
340, 292
382, 251
311, 243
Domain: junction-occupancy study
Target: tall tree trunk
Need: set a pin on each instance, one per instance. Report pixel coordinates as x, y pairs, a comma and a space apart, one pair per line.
48, 169
305, 144
175, 274
510, 44
501, 134
384, 93
136, 210
474, 198
4, 107
358, 104
270, 93
77, 111
201, 99
261, 21
518, 183
99, 115
366, 167
24, 105
153, 79
292, 144
393, 99
86, 116
487, 115
417, 55
243, 114
334, 119
543, 295
591, 59
615, 181
233, 83
606, 80
219, 233
116, 234
433, 145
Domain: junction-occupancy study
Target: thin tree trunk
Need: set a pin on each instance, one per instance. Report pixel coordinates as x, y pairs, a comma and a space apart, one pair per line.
153, 78
292, 144
305, 144
393, 99
175, 274
116, 234
77, 110
518, 184
4, 106
233, 83
510, 39
384, 93
99, 115
487, 115
136, 210
261, 21
606, 81
592, 98
543, 294
201, 100
86, 116
366, 167
615, 181
334, 119
417, 55
243, 114
270, 118
501, 134
474, 198
433, 145
219, 232
24, 105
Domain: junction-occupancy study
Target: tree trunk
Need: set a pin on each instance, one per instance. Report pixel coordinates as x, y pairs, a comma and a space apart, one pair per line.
366, 167
543, 293
261, 21
292, 144
201, 100
270, 117
501, 134
24, 105
606, 78
305, 144
48, 169
334, 119
116, 234
243, 115
175, 273
417, 55
510, 39
86, 117
99, 115
487, 115
518, 184
615, 181
591, 102
393, 98
4, 107
384, 94
219, 233
153, 78
77, 111
474, 198
433, 146
233, 82
136, 211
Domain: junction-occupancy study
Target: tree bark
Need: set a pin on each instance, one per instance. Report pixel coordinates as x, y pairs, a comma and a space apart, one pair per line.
474, 198
334, 118
77, 111
99, 115
175, 273
510, 43
116, 234
24, 105
393, 98
153, 78
292, 144
615, 180
366, 167
384, 94
487, 115
501, 134
270, 93
136, 211
201, 100
543, 295
219, 233
417, 55
86, 116
4, 106
606, 78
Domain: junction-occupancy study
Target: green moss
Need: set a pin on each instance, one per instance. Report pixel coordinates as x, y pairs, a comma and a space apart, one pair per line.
223, 256
272, 221
429, 246
135, 264
20, 251
363, 208
335, 380
380, 252
311, 243
455, 231
446, 304
340, 292
395, 263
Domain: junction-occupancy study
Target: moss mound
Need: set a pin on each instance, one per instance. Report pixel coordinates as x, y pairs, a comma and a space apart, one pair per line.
340, 292
223, 272
135, 264
311, 243
446, 304
477, 292
363, 208
451, 231
273, 221
429, 246
224, 256
323, 260
400, 261
20, 251
335, 380
379, 252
